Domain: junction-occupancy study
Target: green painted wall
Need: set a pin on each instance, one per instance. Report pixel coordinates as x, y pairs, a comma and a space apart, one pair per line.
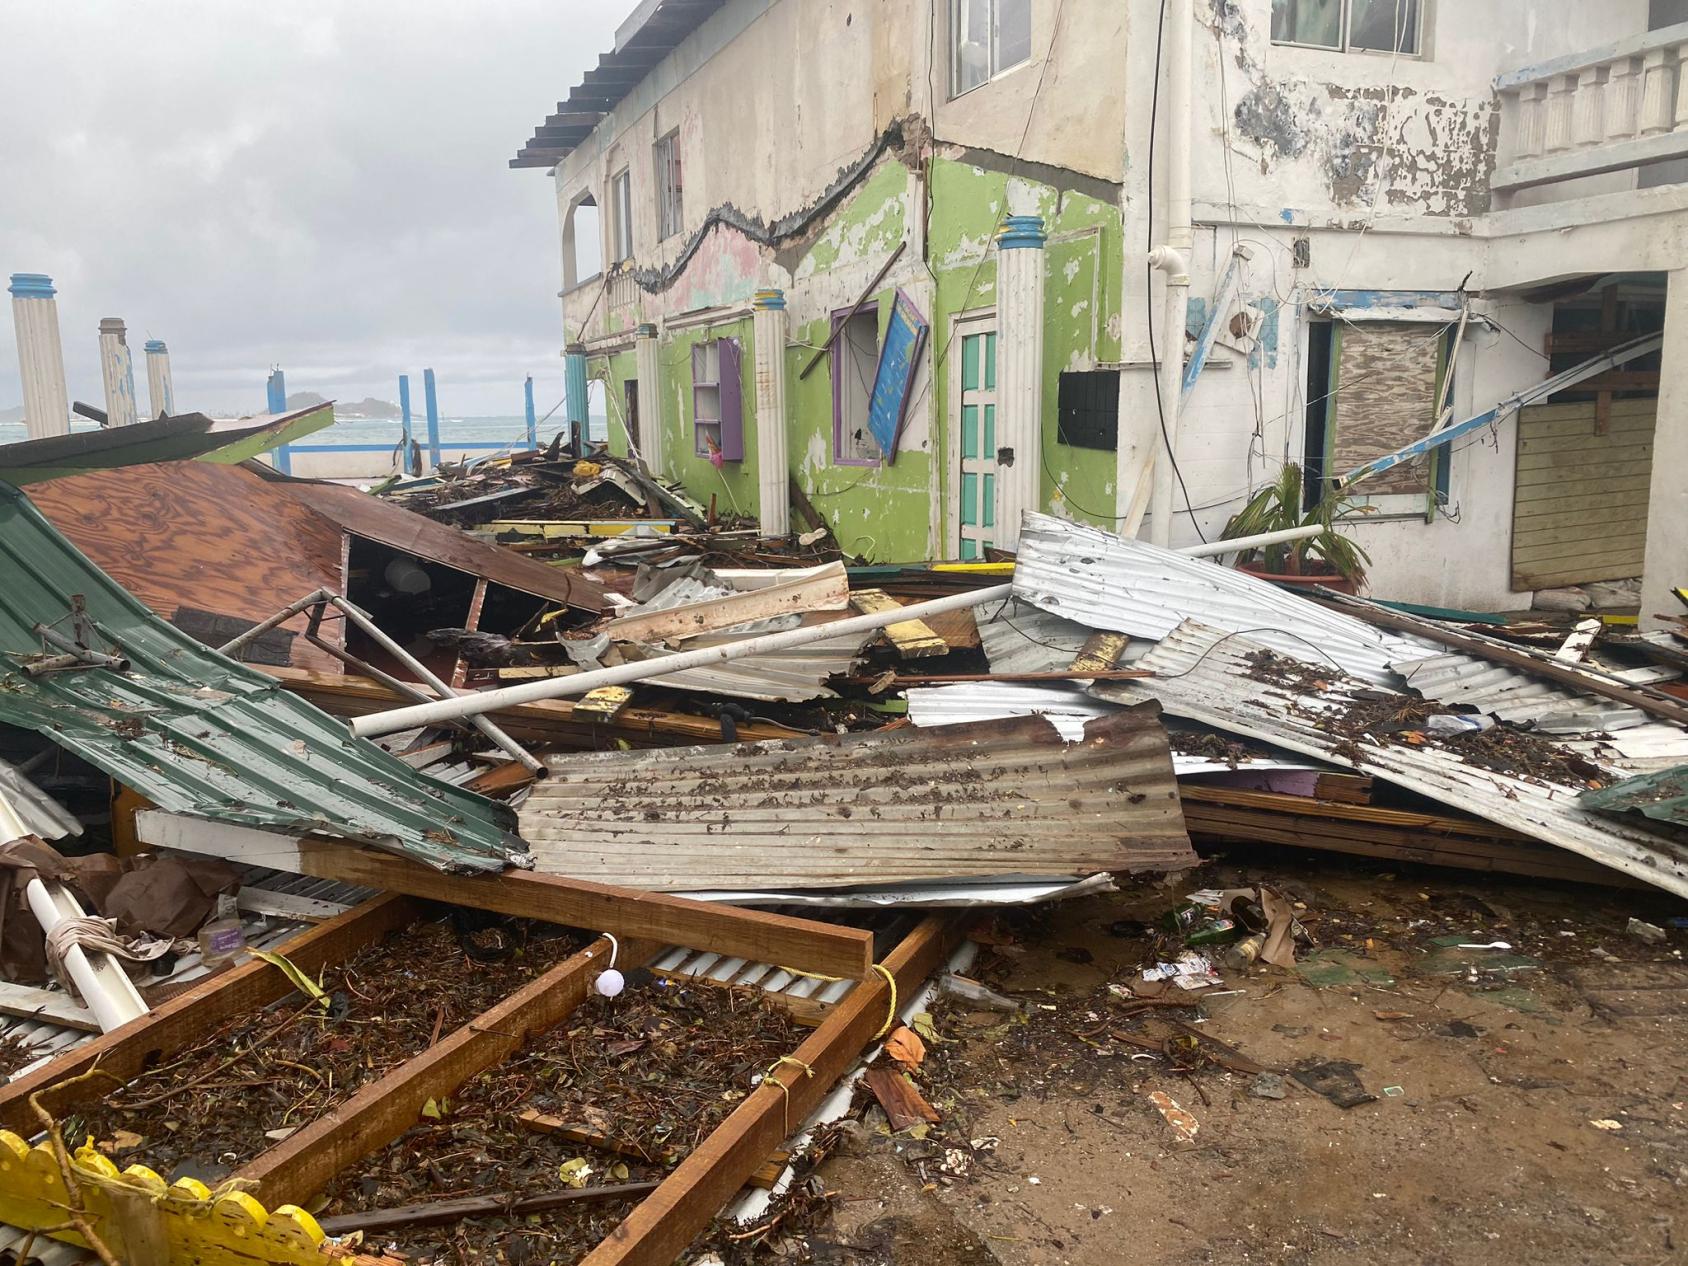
614, 372
884, 513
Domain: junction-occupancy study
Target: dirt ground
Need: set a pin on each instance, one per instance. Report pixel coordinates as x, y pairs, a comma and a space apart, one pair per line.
1491, 1070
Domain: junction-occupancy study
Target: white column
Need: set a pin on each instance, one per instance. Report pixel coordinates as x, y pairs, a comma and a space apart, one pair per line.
647, 356
118, 372
1561, 106
161, 394
1019, 373
1623, 98
1588, 108
1658, 93
35, 320
772, 465
1666, 561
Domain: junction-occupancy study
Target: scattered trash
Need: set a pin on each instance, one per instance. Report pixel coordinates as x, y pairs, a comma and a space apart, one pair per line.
1606, 1123
1268, 1086
1652, 933
1182, 1123
1337, 1080
1190, 970
1394, 1092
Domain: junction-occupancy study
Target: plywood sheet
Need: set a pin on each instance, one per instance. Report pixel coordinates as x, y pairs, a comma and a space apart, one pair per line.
200, 537
1386, 378
1579, 510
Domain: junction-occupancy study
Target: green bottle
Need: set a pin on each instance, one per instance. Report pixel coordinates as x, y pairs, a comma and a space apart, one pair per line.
1214, 932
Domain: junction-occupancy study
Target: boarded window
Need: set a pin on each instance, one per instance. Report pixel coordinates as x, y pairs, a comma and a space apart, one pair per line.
718, 399
855, 361
1088, 409
621, 216
1384, 379
668, 185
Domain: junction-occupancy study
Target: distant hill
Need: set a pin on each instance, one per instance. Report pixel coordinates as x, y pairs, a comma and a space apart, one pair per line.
369, 407
11, 415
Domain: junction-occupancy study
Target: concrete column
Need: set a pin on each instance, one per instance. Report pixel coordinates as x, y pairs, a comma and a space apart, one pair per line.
575, 395
773, 469
431, 404
35, 319
647, 354
119, 374
532, 415
1019, 373
1666, 563
161, 393
275, 392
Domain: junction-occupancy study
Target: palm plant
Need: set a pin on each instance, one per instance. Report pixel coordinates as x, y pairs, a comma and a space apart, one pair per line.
1278, 506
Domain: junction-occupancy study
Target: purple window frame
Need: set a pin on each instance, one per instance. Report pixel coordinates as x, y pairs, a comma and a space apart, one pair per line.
730, 393
839, 316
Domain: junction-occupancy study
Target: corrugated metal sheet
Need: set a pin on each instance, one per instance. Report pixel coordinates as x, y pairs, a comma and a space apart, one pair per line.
1514, 696
39, 813
1018, 638
199, 734
789, 676
1206, 677
967, 801
922, 895
1123, 586
1066, 707
1662, 796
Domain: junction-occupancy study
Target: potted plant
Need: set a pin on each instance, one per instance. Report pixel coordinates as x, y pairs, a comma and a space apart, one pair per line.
1328, 558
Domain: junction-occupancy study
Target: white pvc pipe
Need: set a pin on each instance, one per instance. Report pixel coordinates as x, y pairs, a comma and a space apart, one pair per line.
1171, 371
1214, 548
99, 978
378, 723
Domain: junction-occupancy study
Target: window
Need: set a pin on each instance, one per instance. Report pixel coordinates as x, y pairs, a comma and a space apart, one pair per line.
717, 399
621, 216
1376, 26
989, 37
1380, 390
1087, 411
668, 185
855, 362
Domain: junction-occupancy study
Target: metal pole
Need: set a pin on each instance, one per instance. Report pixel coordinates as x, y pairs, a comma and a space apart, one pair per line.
1214, 548
281, 617
73, 653
474, 704
532, 417
432, 404
447, 695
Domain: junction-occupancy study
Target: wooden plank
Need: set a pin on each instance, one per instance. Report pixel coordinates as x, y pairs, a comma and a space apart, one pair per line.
821, 948
50, 1005
657, 1231
302, 1164
914, 639
1369, 815
1344, 788
603, 704
553, 722
1576, 509
172, 1025
1100, 652
827, 590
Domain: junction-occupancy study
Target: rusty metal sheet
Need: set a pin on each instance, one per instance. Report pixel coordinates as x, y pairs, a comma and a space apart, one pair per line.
376, 520
994, 798
198, 537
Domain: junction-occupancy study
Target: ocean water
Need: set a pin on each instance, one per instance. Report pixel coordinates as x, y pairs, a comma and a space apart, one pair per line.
511, 430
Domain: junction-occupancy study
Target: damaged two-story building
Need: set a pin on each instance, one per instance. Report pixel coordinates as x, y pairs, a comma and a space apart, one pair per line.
915, 266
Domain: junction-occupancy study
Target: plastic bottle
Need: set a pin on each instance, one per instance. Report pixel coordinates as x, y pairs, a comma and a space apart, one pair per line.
221, 937
1246, 951
1450, 723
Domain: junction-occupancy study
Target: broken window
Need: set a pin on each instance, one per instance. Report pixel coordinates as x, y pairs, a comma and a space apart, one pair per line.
668, 185
893, 378
1384, 381
582, 247
989, 37
717, 399
1087, 409
621, 216
855, 362
1377, 26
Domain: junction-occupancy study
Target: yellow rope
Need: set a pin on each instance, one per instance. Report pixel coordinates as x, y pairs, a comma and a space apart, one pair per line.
812, 975
890, 1015
785, 1089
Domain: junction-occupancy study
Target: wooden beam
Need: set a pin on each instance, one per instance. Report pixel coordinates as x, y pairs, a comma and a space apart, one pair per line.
656, 1232
170, 1026
839, 325
828, 589
913, 639
302, 1164
1577, 678
822, 948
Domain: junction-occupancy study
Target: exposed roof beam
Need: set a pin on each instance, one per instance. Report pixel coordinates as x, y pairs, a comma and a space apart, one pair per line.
573, 118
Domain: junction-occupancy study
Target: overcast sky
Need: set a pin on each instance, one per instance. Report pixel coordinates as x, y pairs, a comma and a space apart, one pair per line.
317, 185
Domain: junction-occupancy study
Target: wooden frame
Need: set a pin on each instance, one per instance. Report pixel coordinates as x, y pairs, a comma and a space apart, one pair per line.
653, 1233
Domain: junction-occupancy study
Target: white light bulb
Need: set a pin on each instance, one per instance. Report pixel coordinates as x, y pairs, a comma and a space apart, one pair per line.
611, 983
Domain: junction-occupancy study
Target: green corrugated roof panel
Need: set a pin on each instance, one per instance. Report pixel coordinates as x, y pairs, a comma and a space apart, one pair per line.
199, 734
1662, 795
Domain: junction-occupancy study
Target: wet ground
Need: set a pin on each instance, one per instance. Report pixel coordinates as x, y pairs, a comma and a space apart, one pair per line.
1530, 1104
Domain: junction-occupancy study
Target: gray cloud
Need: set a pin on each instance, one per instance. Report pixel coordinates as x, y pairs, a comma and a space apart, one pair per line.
321, 186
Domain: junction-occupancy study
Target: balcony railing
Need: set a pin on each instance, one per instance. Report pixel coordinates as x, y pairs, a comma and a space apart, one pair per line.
1613, 108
